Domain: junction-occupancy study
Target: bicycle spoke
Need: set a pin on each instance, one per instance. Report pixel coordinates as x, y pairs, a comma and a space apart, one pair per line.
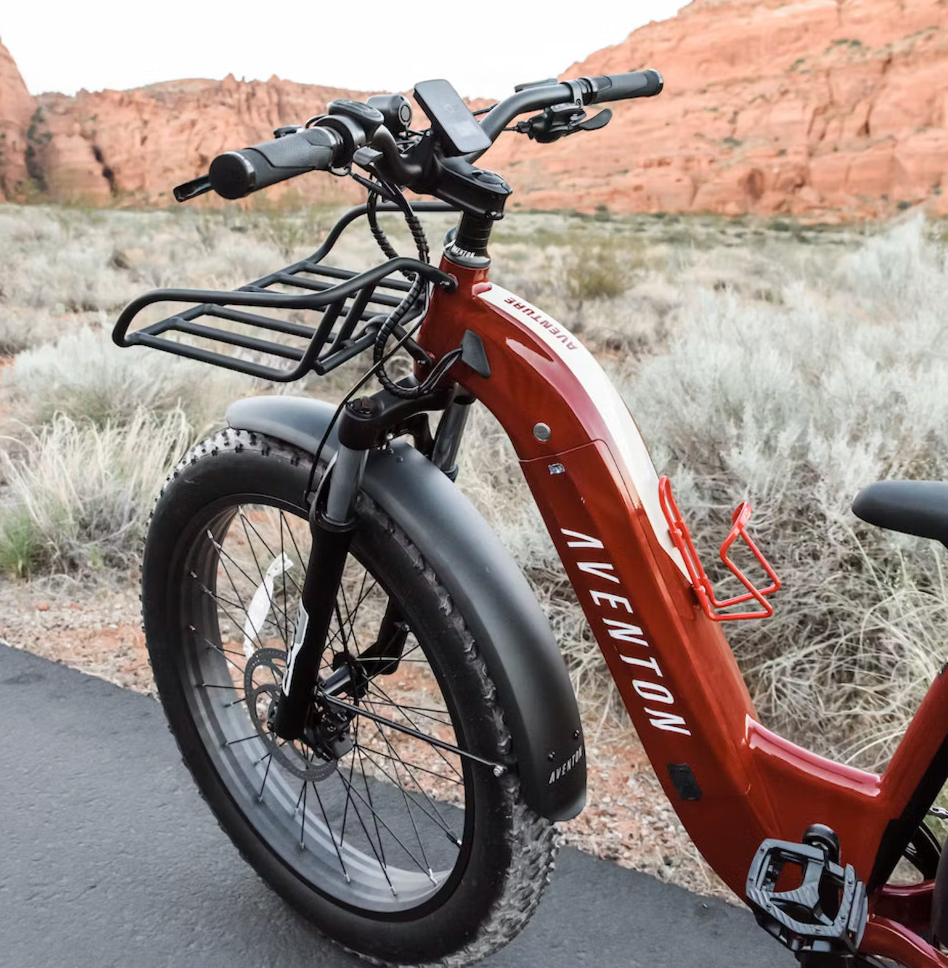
436, 743
222, 555
421, 710
269, 758
286, 637
263, 582
380, 820
368, 793
345, 809
397, 759
438, 820
299, 555
363, 595
332, 837
214, 598
303, 818
433, 741
350, 789
350, 617
216, 648
263, 541
234, 742
415, 766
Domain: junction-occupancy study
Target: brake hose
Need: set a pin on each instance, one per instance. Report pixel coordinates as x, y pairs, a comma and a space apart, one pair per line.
411, 297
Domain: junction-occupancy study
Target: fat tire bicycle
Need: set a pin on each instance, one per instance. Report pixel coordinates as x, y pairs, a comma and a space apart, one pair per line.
355, 670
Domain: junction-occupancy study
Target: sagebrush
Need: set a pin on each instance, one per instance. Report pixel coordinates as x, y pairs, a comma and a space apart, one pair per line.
787, 368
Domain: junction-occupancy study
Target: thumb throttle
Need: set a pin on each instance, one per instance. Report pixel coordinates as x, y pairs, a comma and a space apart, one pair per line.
560, 120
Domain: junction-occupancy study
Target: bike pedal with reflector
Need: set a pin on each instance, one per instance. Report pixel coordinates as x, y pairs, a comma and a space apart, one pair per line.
825, 915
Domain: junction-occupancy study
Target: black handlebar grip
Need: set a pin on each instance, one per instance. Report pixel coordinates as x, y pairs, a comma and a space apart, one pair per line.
235, 174
619, 87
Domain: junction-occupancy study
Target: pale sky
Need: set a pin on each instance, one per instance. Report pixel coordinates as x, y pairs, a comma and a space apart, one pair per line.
483, 47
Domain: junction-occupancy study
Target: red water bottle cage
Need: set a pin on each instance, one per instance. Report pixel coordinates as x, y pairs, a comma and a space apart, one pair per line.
702, 584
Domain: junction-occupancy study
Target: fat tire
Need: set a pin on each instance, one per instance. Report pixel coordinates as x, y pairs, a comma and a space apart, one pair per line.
511, 856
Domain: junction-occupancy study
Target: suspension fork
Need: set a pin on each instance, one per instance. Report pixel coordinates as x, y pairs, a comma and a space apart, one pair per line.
447, 440
332, 528
365, 424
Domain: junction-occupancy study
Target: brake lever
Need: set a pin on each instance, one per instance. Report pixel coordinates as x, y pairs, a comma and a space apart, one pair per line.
560, 120
193, 188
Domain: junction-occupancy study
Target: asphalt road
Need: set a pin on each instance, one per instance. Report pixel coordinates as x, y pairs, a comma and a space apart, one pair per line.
109, 857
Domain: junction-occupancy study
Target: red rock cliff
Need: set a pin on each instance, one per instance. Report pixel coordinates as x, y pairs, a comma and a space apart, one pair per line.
822, 108
16, 109
137, 145
804, 107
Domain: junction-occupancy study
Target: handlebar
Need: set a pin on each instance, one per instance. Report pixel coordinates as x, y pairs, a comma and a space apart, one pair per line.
590, 90
335, 138
235, 174
621, 87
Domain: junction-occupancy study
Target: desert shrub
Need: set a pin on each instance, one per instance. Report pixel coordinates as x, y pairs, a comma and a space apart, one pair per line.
294, 231
78, 497
79, 279
20, 548
796, 404
798, 407
15, 334
85, 376
601, 270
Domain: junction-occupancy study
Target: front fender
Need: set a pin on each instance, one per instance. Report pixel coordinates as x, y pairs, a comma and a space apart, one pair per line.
485, 584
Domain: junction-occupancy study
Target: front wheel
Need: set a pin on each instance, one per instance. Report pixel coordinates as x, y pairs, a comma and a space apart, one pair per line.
396, 825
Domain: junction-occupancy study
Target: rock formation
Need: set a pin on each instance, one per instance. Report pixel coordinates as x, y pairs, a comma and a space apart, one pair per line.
135, 146
816, 108
16, 109
813, 107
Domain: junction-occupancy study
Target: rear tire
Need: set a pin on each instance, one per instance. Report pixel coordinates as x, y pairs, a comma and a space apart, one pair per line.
487, 854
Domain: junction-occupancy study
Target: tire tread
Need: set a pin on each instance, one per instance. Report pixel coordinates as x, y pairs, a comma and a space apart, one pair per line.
532, 839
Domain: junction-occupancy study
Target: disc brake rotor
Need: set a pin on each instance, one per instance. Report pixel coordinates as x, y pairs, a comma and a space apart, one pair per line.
302, 760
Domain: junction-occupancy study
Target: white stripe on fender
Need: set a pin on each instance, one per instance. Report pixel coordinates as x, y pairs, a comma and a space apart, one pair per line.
615, 414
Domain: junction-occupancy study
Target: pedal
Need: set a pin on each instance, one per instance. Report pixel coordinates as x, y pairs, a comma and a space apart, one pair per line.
826, 914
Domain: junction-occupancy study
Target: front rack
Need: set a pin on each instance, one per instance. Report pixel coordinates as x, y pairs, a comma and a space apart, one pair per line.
352, 307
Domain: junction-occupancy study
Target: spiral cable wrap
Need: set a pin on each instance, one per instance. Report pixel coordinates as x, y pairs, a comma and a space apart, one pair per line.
411, 297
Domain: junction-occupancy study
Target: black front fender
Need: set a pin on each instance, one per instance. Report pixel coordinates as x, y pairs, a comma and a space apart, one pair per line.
485, 584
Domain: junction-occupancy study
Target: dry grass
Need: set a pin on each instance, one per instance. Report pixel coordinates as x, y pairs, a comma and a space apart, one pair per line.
791, 367
792, 376
87, 377
77, 497
797, 407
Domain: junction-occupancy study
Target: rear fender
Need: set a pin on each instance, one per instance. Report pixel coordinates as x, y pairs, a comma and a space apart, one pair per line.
485, 584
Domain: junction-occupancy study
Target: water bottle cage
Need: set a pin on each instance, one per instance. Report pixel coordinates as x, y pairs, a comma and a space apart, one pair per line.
681, 539
827, 913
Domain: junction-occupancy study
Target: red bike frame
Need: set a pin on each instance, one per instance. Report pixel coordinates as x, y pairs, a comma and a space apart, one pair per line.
732, 782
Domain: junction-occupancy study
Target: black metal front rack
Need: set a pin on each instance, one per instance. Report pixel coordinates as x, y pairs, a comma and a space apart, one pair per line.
352, 307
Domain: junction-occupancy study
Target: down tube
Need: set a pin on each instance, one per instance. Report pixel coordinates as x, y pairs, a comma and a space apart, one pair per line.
596, 488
